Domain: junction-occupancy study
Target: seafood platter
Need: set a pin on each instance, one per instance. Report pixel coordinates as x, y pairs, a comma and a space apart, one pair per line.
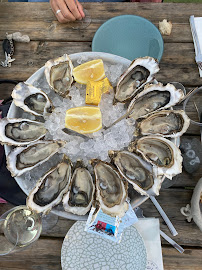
125, 156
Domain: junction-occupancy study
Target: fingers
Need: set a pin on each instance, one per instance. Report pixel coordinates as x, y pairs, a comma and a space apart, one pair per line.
72, 6
80, 8
70, 10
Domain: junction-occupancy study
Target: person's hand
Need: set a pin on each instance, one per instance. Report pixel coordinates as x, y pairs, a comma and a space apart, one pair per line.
67, 10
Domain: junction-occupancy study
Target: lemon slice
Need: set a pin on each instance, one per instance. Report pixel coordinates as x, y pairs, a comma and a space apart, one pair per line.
84, 119
89, 71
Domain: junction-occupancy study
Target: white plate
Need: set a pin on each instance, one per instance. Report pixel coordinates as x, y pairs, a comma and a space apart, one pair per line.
15, 112
86, 251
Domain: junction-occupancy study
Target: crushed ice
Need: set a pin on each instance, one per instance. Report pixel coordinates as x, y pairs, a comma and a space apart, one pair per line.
98, 144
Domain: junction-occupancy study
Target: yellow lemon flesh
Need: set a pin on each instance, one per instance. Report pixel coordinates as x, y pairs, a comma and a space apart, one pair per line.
84, 119
89, 71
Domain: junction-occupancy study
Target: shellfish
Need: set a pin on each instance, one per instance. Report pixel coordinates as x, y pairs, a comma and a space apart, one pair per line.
22, 159
137, 172
140, 72
20, 131
50, 188
167, 123
154, 97
111, 190
78, 199
58, 74
163, 154
31, 99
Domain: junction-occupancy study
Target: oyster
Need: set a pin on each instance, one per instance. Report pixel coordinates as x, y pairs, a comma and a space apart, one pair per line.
154, 97
50, 188
164, 155
168, 123
111, 190
31, 99
78, 199
20, 131
23, 159
137, 172
58, 74
140, 72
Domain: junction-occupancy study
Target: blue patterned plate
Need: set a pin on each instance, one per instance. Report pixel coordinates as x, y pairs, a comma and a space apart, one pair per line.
129, 36
86, 251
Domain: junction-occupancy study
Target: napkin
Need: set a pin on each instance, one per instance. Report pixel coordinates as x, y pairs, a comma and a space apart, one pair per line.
149, 230
196, 23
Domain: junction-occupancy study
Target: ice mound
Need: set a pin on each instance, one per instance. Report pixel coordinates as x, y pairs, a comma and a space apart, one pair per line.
97, 144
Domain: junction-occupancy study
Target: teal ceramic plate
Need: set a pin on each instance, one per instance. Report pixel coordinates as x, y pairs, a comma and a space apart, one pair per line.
129, 36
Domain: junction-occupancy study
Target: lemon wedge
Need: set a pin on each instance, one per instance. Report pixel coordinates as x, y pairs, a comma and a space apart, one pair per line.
89, 71
84, 119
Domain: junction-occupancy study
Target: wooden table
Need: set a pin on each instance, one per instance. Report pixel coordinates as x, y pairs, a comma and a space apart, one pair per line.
50, 39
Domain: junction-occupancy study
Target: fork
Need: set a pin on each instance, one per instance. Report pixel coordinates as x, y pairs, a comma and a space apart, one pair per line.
198, 57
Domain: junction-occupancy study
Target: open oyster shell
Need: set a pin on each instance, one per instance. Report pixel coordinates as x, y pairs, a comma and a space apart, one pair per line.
50, 188
137, 172
111, 190
140, 72
20, 131
22, 159
164, 155
79, 198
31, 99
58, 74
154, 97
167, 123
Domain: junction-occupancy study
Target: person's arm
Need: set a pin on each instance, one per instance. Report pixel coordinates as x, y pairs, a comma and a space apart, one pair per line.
67, 10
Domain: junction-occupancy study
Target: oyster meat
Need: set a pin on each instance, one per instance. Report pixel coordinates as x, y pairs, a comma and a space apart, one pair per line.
58, 74
154, 97
79, 198
50, 188
168, 123
22, 159
163, 154
20, 131
140, 72
31, 99
137, 172
111, 190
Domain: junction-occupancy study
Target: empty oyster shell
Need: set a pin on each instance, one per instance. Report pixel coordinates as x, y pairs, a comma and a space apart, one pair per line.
20, 131
154, 97
23, 159
168, 123
58, 74
111, 190
137, 172
31, 99
50, 188
164, 155
78, 199
140, 72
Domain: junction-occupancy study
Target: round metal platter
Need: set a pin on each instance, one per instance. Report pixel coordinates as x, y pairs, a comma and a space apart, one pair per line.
15, 112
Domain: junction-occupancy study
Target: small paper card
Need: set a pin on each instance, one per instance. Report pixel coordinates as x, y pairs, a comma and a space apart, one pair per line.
109, 227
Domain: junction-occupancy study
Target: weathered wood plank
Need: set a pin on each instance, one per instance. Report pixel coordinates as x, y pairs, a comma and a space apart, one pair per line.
40, 256
190, 260
43, 25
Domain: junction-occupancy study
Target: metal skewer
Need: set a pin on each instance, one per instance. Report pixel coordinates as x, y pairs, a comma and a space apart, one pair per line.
164, 216
139, 213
